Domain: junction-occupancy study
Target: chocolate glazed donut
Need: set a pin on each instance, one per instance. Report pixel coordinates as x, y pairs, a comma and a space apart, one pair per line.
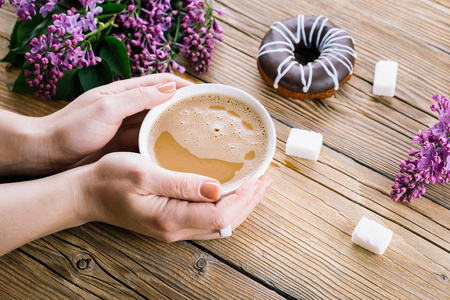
318, 79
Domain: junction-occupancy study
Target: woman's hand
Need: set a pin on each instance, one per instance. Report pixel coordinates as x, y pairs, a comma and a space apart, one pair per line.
105, 119
129, 191
102, 120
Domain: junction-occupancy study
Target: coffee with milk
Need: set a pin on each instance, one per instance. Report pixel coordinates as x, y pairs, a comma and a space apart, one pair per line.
213, 135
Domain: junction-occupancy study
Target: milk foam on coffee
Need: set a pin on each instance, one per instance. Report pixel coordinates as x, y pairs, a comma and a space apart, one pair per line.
214, 130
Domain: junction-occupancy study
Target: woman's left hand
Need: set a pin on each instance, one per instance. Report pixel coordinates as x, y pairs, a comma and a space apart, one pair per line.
105, 119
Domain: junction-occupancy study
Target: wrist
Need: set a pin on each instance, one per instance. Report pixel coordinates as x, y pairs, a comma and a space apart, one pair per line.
50, 204
37, 147
25, 147
83, 185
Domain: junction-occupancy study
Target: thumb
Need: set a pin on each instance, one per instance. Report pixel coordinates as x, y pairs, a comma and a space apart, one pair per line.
186, 186
141, 98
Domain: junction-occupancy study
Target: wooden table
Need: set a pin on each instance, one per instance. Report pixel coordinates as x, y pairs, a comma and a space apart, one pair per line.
296, 244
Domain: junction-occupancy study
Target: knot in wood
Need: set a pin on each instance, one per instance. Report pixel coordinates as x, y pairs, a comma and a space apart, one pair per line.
200, 264
443, 278
83, 263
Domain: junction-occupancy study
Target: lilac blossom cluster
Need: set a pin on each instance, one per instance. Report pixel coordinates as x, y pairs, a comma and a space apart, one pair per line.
198, 41
142, 30
27, 9
63, 48
152, 31
431, 163
146, 35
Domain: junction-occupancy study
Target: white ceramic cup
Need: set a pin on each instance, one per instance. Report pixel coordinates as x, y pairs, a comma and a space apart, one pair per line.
199, 89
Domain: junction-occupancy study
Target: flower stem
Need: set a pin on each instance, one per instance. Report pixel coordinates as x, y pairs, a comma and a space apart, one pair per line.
101, 27
177, 32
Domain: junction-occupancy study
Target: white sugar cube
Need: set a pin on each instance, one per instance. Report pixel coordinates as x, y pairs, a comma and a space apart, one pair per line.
304, 144
385, 78
372, 236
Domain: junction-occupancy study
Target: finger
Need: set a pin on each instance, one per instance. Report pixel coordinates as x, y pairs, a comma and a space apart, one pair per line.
185, 186
148, 80
233, 209
190, 234
259, 195
236, 208
198, 235
130, 102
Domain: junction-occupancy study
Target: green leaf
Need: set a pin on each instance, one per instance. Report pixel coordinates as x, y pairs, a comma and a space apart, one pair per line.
95, 76
21, 50
115, 54
31, 28
12, 57
13, 38
20, 85
68, 87
112, 8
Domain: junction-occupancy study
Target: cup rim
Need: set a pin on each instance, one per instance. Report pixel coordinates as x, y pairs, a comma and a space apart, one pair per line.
213, 88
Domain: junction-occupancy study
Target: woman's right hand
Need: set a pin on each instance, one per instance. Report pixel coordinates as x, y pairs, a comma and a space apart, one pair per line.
129, 191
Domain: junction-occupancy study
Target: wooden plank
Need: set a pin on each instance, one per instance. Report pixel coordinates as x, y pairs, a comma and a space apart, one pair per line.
361, 185
22, 277
345, 120
348, 121
303, 229
376, 38
297, 242
98, 260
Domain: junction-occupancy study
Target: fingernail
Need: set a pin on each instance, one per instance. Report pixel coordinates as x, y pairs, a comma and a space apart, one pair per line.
268, 184
210, 190
166, 88
258, 184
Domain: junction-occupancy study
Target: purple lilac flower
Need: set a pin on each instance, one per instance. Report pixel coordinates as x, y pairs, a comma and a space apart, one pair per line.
91, 5
63, 48
47, 7
143, 36
27, 9
200, 31
151, 30
90, 22
431, 163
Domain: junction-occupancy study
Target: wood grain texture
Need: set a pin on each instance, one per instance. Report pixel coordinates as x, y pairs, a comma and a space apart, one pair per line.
296, 244
304, 228
371, 134
101, 261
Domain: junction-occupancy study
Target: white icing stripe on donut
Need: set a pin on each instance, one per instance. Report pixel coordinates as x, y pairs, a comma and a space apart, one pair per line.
333, 74
302, 77
350, 69
339, 38
282, 73
311, 33
283, 35
276, 43
320, 32
303, 31
326, 45
275, 50
347, 64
